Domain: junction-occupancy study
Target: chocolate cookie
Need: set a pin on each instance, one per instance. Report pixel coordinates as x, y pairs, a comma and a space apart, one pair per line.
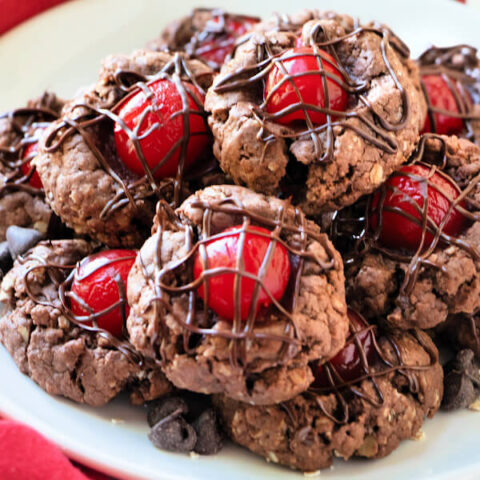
207, 34
412, 250
124, 144
274, 294
60, 353
22, 200
367, 417
450, 79
317, 108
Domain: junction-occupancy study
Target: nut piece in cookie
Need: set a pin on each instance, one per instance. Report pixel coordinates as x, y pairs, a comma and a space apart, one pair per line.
125, 143
67, 354
22, 200
368, 412
450, 79
236, 293
207, 34
317, 108
412, 249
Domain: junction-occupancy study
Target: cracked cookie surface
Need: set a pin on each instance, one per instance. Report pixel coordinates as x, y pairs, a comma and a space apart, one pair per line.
324, 167
304, 432
204, 352
61, 357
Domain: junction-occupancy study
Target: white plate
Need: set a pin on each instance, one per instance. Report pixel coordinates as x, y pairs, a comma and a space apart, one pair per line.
61, 50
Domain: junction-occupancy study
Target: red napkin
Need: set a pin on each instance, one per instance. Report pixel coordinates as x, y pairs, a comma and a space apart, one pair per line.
13, 12
27, 455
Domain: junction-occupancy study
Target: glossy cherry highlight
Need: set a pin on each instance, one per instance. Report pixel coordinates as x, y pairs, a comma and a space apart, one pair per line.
28, 154
300, 69
347, 364
157, 121
223, 252
406, 191
441, 95
215, 47
98, 283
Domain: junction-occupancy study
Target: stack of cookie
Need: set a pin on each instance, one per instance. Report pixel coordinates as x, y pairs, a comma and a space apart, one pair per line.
305, 202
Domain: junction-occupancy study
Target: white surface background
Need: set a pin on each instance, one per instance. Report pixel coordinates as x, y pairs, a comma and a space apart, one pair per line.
61, 50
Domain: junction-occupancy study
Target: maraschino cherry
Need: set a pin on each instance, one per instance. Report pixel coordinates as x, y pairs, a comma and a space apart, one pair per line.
223, 252
406, 188
441, 96
157, 121
296, 63
97, 283
215, 48
348, 362
28, 154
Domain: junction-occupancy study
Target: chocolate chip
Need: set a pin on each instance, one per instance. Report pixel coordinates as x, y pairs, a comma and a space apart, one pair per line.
174, 434
22, 239
161, 408
6, 260
459, 391
197, 404
209, 436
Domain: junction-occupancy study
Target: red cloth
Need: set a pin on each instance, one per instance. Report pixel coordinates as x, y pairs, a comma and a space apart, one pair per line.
27, 455
13, 12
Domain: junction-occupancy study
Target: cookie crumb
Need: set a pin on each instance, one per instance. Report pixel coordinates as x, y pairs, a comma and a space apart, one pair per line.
117, 421
194, 455
315, 473
475, 406
419, 436
272, 457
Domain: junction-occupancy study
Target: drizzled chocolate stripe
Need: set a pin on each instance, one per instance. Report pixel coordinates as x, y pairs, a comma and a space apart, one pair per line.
374, 127
459, 68
134, 188
380, 367
351, 232
61, 276
215, 35
24, 122
199, 320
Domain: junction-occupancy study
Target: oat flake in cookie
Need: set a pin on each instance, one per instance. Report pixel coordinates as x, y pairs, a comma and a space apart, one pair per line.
412, 249
125, 143
207, 34
399, 383
316, 107
63, 353
273, 302
450, 79
22, 200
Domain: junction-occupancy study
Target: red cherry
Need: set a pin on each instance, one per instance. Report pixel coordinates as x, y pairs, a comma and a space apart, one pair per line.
441, 96
29, 153
222, 253
217, 49
348, 362
280, 96
403, 189
96, 284
162, 128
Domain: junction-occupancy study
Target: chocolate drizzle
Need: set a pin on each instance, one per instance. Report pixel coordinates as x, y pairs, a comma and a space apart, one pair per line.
216, 34
61, 276
352, 234
86, 119
459, 68
379, 367
25, 123
288, 227
372, 126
